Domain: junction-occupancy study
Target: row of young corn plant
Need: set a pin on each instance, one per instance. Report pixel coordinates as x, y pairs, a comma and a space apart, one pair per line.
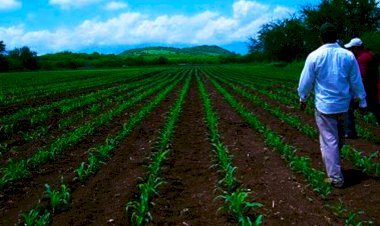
14, 171
233, 195
138, 211
53, 85
115, 100
287, 95
262, 78
297, 163
94, 110
40, 114
365, 163
351, 218
55, 201
283, 96
100, 154
286, 90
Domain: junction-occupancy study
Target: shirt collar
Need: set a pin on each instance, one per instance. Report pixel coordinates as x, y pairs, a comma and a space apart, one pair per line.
331, 45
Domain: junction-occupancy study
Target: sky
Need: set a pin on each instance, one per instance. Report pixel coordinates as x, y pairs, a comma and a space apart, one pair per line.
49, 26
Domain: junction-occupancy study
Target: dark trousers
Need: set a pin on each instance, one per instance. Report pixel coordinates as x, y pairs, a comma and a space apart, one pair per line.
349, 122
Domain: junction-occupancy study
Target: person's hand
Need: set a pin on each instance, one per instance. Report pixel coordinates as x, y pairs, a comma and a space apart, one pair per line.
302, 105
363, 110
355, 103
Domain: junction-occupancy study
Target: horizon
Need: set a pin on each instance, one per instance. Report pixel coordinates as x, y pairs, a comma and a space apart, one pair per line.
114, 26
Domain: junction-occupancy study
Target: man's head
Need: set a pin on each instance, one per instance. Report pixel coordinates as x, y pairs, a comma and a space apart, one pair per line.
328, 33
354, 45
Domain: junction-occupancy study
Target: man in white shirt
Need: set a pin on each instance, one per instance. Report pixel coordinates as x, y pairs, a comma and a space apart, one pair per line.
333, 72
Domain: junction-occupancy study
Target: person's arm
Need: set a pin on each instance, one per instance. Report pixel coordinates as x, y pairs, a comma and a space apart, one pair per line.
363, 60
306, 81
356, 84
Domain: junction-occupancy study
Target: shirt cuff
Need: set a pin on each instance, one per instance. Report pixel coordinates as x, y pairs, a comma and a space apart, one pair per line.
303, 99
362, 103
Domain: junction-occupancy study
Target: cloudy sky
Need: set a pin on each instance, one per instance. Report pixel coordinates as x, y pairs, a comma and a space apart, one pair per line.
48, 26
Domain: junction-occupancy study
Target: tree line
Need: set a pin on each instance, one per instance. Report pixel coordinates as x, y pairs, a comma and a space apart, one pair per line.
23, 59
17, 59
293, 38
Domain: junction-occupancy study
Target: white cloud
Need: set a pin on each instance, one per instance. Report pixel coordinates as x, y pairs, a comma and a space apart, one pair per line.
245, 8
116, 5
9, 4
66, 4
136, 28
283, 10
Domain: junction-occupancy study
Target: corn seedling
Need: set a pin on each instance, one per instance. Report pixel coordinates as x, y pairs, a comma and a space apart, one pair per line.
59, 200
238, 207
3, 148
14, 171
36, 217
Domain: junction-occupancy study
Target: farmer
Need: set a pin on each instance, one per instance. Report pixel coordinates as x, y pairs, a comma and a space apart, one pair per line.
332, 71
370, 76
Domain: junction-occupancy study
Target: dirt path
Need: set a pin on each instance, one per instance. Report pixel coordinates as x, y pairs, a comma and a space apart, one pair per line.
101, 201
187, 197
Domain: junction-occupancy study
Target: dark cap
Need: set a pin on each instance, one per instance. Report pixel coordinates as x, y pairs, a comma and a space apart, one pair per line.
327, 28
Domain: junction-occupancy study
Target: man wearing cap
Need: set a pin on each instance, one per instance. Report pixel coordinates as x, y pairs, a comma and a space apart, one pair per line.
333, 72
370, 76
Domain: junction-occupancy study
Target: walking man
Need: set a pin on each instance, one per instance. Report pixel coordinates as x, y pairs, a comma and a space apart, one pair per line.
333, 72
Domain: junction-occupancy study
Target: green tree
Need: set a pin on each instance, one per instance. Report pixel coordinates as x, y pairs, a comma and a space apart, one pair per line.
281, 41
293, 38
3, 61
351, 17
372, 41
23, 58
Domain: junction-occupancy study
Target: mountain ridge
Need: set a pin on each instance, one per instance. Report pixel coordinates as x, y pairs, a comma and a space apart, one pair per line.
208, 50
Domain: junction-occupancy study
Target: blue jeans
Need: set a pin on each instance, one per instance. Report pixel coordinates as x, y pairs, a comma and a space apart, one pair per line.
331, 132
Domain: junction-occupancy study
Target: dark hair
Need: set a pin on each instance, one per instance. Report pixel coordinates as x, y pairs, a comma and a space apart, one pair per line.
328, 33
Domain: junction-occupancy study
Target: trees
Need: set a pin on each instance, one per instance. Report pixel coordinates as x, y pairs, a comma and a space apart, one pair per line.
23, 58
351, 17
282, 40
3, 62
291, 39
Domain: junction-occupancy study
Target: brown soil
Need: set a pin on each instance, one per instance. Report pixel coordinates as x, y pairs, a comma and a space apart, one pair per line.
188, 195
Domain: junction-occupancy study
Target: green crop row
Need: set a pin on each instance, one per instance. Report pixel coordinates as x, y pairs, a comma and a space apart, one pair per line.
15, 171
297, 163
234, 196
29, 89
365, 163
138, 211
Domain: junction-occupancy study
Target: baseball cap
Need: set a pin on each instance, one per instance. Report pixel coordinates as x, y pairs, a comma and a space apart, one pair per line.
354, 42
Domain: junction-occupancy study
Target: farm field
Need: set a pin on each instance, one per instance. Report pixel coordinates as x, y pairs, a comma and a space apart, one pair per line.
189, 145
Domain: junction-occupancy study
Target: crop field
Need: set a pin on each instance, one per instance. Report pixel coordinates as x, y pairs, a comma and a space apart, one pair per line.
178, 145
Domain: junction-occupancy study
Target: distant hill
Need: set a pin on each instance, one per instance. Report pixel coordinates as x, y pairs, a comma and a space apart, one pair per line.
203, 50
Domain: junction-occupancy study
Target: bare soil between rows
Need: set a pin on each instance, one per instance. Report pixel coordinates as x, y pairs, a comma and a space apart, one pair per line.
188, 195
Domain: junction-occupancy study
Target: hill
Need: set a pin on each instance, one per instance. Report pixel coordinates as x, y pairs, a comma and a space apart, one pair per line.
203, 50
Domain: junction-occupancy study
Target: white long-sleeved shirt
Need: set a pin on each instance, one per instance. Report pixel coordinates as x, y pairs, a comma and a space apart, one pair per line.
334, 73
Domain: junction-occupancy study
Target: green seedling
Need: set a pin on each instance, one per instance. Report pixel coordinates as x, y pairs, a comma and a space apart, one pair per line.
59, 200
35, 217
238, 206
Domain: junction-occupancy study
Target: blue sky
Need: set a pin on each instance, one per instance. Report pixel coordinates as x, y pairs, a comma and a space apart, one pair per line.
49, 26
